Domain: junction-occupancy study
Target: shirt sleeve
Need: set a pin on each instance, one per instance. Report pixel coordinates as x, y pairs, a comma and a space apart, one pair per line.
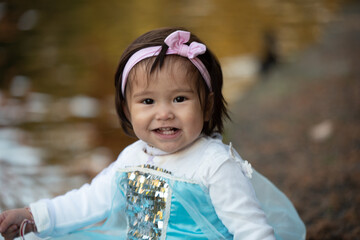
76, 209
236, 204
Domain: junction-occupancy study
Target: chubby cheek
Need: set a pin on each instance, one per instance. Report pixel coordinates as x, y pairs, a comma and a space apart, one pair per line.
139, 122
197, 125
195, 120
137, 112
140, 131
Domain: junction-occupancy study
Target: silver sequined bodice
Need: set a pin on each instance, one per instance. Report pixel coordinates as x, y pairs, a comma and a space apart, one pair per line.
147, 195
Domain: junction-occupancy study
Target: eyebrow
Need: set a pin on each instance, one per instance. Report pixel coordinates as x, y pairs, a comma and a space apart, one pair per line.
184, 90
139, 94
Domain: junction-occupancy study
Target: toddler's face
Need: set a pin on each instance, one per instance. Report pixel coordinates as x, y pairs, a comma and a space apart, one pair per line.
165, 110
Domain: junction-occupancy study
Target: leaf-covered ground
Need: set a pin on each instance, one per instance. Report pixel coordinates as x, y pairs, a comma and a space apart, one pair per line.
301, 128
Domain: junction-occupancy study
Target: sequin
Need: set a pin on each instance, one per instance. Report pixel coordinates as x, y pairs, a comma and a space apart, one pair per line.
147, 195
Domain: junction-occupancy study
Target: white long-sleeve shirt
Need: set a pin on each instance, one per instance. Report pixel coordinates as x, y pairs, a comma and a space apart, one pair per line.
207, 161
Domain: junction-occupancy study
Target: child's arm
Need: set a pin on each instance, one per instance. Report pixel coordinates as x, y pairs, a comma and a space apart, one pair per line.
236, 204
75, 209
11, 220
234, 198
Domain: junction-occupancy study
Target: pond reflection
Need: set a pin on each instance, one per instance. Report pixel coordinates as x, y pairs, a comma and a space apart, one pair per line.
57, 61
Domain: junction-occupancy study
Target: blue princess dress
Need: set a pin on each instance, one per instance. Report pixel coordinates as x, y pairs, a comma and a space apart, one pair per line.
151, 203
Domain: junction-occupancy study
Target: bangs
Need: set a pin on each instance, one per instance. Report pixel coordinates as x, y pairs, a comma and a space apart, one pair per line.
170, 63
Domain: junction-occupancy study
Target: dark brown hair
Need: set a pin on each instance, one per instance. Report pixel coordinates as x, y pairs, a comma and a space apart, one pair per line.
156, 38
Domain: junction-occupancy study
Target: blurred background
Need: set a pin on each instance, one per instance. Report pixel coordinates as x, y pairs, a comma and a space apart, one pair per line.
291, 72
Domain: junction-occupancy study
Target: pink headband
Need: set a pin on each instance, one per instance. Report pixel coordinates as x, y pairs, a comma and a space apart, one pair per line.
175, 41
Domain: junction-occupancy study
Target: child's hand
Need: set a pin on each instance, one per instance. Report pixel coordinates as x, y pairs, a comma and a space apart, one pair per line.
11, 233
11, 220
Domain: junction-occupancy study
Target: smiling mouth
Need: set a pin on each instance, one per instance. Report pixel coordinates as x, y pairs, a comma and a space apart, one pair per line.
166, 130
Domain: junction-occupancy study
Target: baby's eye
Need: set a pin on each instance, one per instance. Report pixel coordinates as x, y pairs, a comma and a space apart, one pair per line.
179, 99
148, 101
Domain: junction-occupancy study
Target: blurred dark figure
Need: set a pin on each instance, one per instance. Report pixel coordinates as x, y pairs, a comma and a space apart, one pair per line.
269, 56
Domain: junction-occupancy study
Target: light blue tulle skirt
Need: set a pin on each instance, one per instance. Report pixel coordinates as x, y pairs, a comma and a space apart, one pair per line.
155, 206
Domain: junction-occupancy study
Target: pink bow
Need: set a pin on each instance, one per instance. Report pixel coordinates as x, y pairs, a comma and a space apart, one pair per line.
176, 42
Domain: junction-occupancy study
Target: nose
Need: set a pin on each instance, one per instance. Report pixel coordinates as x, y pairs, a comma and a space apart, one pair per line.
164, 112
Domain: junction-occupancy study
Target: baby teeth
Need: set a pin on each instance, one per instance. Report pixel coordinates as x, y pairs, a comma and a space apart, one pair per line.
167, 131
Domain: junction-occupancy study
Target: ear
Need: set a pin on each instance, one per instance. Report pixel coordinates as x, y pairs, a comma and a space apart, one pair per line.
209, 107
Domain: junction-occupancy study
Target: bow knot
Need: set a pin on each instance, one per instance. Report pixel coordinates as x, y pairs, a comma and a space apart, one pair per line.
176, 42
